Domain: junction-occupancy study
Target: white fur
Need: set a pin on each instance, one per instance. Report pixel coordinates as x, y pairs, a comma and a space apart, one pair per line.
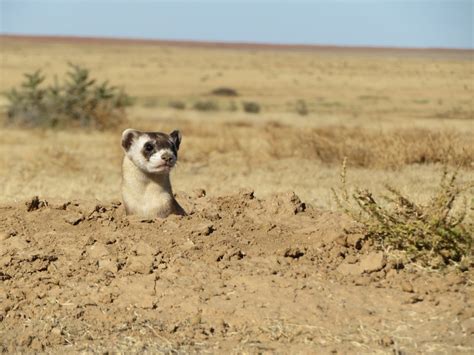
155, 164
135, 155
156, 159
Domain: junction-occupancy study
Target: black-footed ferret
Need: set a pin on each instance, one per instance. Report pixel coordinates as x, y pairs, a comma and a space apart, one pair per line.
146, 187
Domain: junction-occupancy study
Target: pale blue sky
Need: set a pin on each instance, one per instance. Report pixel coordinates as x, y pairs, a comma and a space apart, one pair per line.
415, 23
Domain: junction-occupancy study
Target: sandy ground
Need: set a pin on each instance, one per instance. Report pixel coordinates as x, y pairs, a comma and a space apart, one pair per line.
238, 275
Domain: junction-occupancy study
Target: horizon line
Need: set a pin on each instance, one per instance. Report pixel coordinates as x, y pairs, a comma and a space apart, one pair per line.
219, 44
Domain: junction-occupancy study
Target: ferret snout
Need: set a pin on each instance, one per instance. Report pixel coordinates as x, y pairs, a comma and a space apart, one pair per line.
167, 157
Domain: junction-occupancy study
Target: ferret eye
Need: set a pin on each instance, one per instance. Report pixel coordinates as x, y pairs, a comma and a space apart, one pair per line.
148, 147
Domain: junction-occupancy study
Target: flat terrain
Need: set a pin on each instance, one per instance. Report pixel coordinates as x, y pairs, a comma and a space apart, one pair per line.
261, 271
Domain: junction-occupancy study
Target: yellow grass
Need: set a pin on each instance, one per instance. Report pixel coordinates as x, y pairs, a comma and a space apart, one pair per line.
397, 115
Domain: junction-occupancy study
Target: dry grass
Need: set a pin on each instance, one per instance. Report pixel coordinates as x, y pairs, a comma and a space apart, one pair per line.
364, 85
396, 116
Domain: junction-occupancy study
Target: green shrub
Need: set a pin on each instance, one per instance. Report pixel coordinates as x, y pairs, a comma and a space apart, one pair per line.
301, 107
206, 106
432, 235
78, 102
251, 107
178, 105
225, 91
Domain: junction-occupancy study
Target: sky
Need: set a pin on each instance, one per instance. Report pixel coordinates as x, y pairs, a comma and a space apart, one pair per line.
388, 23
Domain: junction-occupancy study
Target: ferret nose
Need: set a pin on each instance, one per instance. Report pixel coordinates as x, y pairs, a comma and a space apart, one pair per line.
167, 157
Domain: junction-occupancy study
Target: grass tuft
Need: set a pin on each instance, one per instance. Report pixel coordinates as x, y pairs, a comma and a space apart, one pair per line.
301, 108
251, 107
177, 105
206, 106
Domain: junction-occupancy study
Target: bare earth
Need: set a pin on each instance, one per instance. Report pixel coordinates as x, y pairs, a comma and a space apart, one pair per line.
239, 274
254, 268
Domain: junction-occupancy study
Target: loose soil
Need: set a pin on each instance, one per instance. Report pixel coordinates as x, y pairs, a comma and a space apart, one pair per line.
239, 274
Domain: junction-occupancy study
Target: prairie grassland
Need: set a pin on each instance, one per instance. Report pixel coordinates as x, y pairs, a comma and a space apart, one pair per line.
397, 115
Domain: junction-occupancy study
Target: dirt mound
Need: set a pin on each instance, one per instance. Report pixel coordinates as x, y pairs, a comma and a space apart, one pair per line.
239, 273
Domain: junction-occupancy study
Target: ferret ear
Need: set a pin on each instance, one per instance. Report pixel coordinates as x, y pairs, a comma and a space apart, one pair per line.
176, 138
127, 138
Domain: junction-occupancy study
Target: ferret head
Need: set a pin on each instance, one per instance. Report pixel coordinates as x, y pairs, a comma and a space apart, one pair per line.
151, 152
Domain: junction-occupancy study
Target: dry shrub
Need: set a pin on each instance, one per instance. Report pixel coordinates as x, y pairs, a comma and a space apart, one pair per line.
391, 149
301, 108
206, 106
178, 105
366, 148
433, 235
251, 107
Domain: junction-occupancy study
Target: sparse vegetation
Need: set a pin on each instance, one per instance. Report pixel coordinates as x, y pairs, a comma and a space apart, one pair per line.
178, 105
301, 108
225, 91
150, 102
232, 106
206, 106
433, 235
78, 102
391, 149
251, 107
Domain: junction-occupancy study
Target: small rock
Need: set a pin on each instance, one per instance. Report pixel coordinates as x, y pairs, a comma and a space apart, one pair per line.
115, 203
56, 331
468, 326
391, 274
415, 299
4, 236
362, 281
140, 264
247, 193
108, 265
36, 345
97, 251
198, 193
347, 269
373, 262
294, 253
386, 341
74, 218
110, 240
407, 286
351, 259
455, 279
4, 276
187, 245
142, 248
204, 229
9, 233
195, 320
342, 240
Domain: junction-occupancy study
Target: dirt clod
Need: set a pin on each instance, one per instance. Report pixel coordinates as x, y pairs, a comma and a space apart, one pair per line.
372, 262
407, 286
74, 218
35, 204
386, 341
